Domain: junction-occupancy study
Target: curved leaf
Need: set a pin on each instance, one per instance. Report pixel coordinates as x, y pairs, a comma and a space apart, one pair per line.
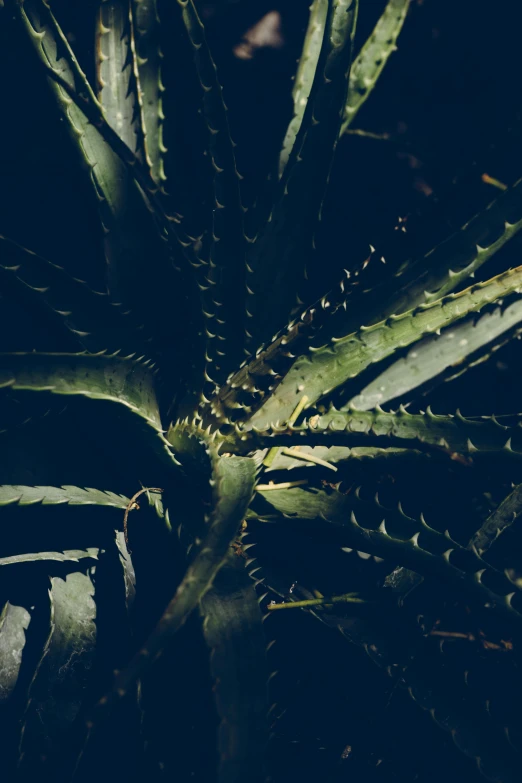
112, 379
316, 375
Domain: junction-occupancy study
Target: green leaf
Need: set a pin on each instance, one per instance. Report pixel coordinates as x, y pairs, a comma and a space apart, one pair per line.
14, 621
124, 382
117, 73
61, 681
68, 555
59, 496
390, 533
233, 631
305, 75
149, 56
223, 284
337, 455
447, 266
134, 237
89, 316
444, 357
473, 436
280, 252
232, 484
316, 375
371, 60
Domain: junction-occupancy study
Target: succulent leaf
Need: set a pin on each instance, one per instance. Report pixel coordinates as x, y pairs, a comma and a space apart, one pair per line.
390, 533
319, 373
305, 75
280, 252
371, 60
444, 357
117, 73
224, 274
112, 379
473, 436
53, 496
146, 25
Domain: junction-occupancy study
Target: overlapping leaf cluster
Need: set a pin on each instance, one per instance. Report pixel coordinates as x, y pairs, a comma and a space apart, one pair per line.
205, 370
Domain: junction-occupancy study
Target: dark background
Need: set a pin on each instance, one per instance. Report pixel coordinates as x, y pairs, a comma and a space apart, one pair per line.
450, 102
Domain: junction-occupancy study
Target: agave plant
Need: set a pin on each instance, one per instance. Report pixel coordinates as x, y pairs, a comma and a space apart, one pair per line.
193, 380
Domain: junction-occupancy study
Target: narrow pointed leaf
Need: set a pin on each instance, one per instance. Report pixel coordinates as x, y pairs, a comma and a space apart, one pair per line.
233, 631
117, 73
223, 283
255, 379
317, 374
447, 266
371, 60
443, 357
475, 436
280, 252
134, 236
389, 533
305, 75
58, 496
149, 57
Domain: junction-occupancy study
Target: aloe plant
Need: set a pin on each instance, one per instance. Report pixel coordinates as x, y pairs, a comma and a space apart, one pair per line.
223, 395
